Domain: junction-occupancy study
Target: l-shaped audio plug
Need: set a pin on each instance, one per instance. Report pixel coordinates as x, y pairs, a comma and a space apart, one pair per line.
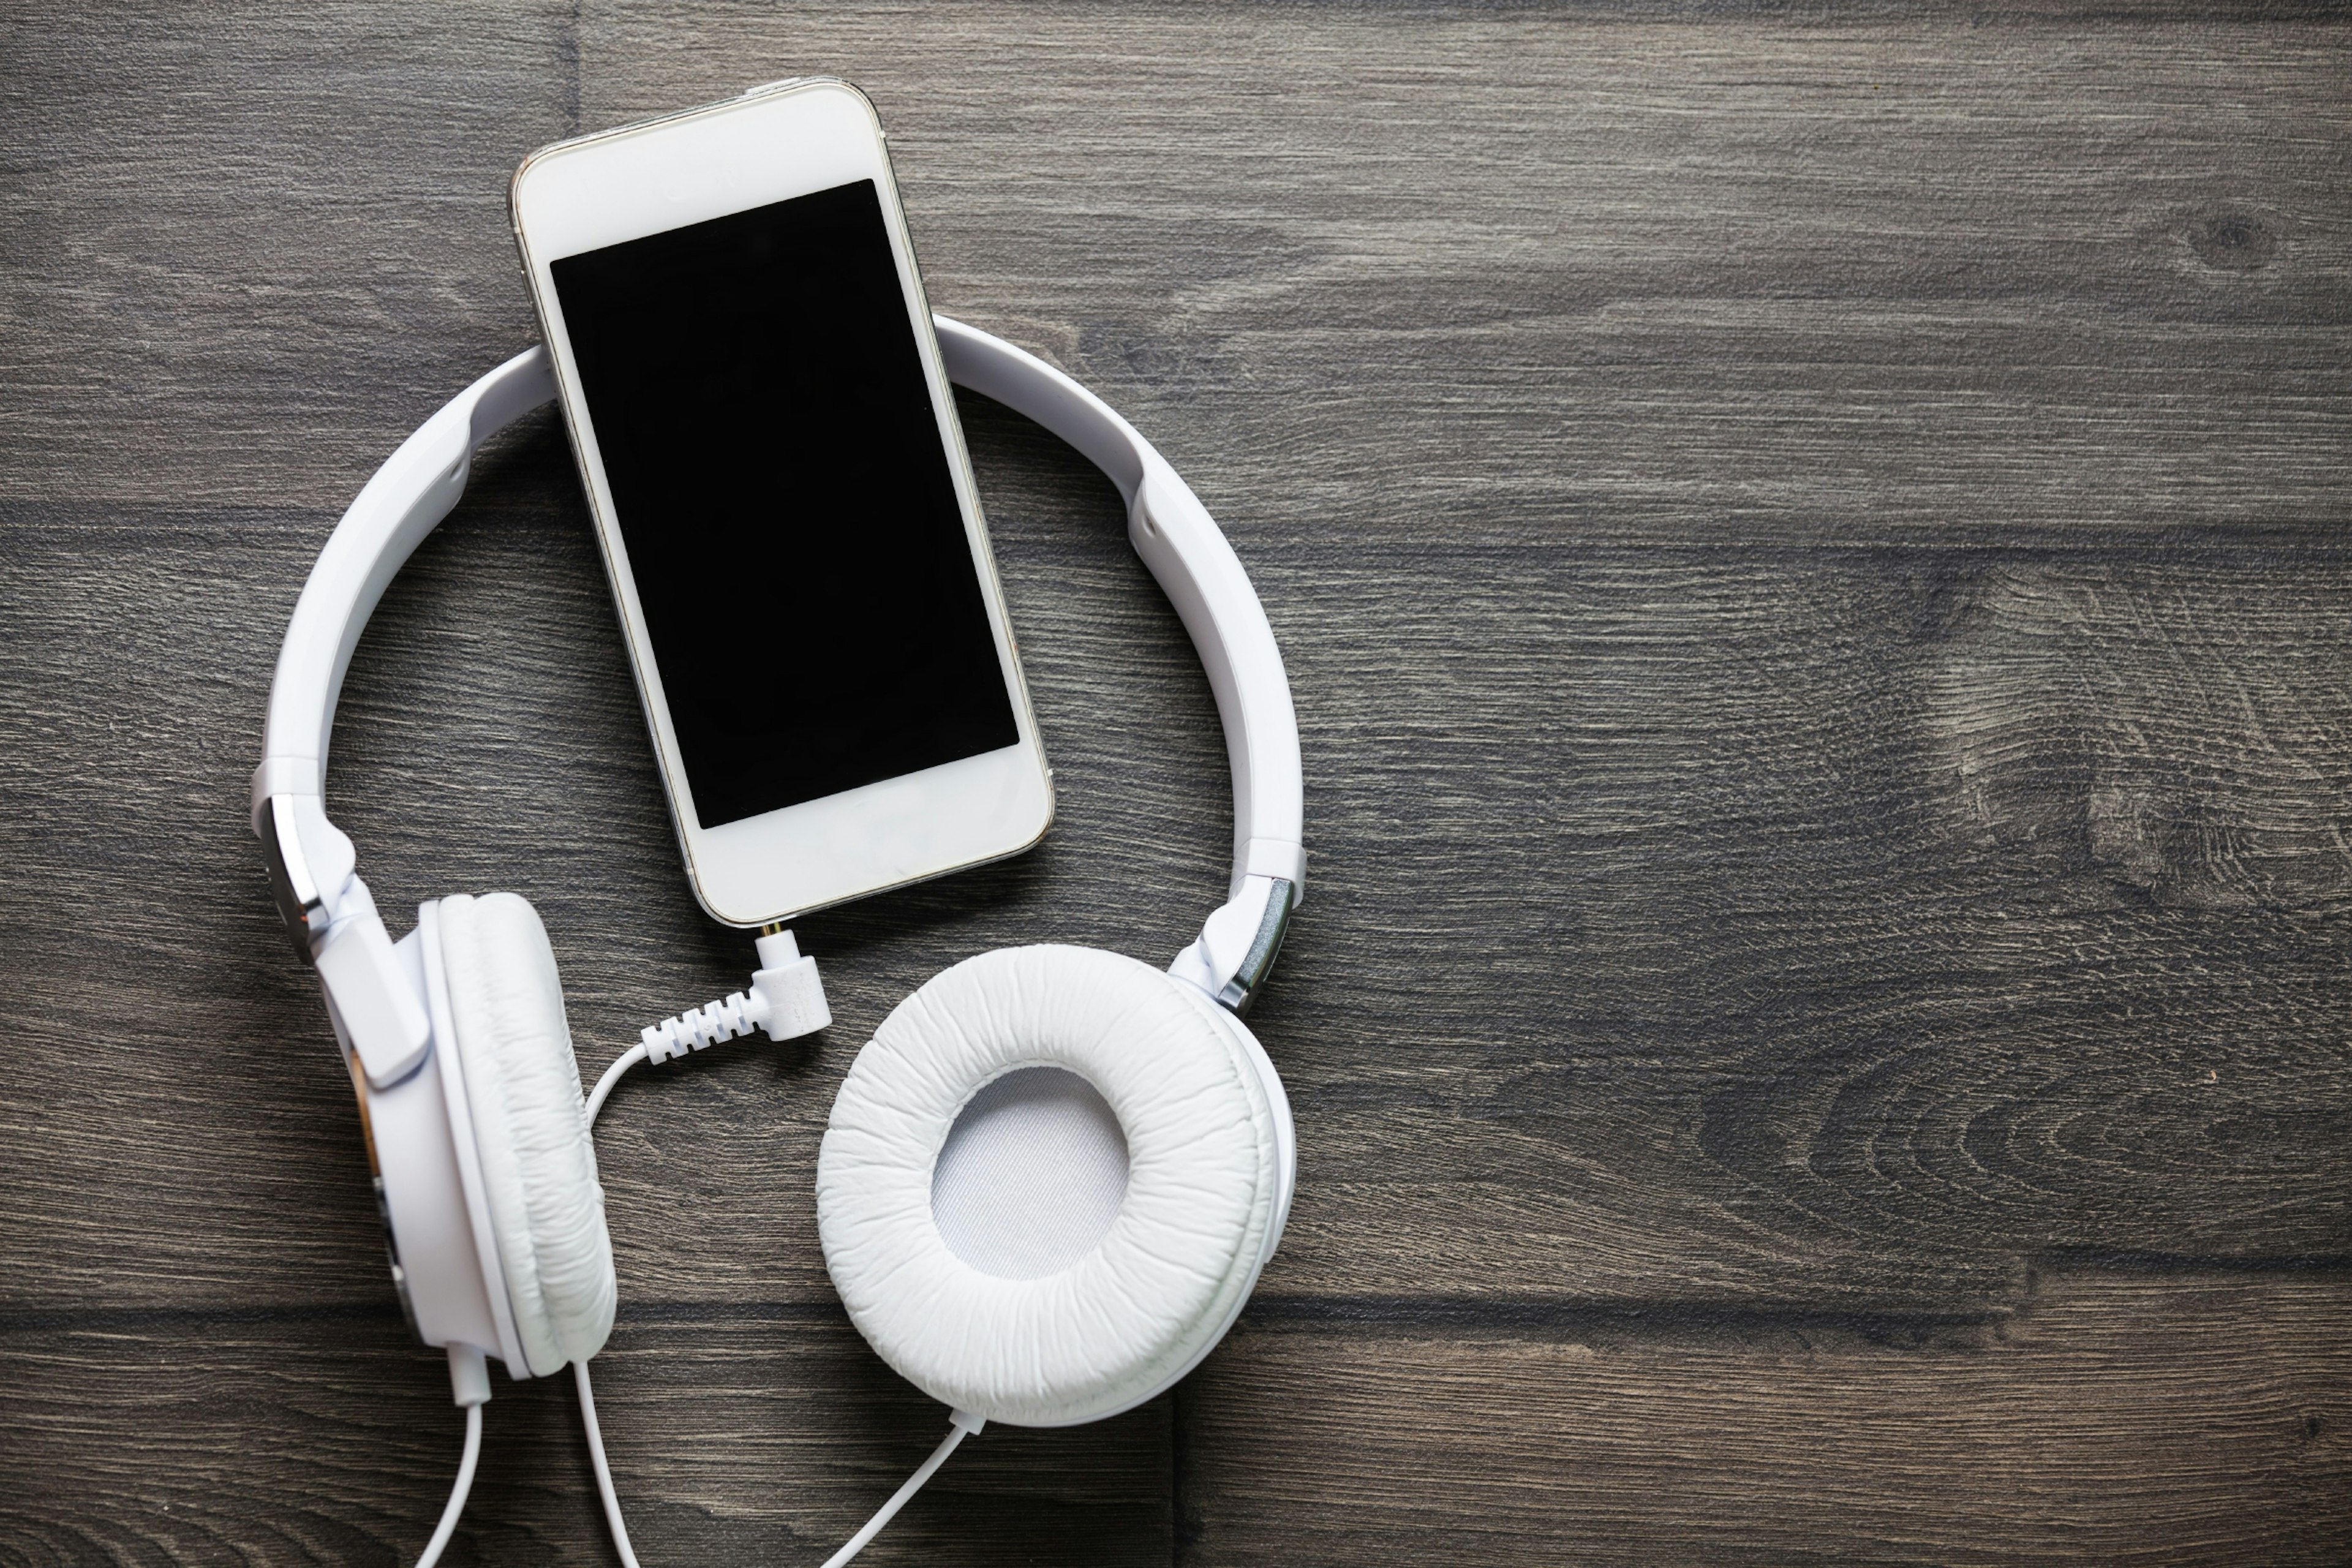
787, 1001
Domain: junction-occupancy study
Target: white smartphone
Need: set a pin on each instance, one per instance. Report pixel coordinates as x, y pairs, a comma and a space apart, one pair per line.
745, 360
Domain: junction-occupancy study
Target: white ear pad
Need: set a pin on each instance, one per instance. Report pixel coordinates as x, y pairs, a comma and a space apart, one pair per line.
1277, 1100
1207, 1185
530, 1125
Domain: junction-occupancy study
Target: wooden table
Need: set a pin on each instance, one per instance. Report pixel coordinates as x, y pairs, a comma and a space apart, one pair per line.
1810, 549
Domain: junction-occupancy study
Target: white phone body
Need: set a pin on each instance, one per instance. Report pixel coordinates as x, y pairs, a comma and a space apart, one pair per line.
773, 145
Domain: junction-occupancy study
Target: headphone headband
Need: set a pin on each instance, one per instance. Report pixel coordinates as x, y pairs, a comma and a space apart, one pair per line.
312, 865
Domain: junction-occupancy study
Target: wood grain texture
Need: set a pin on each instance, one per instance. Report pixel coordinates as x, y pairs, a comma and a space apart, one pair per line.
2103, 1419
1809, 549
745, 1436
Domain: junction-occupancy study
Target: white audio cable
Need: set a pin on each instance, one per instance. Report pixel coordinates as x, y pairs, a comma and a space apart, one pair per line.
960, 1426
604, 1470
785, 994
469, 1383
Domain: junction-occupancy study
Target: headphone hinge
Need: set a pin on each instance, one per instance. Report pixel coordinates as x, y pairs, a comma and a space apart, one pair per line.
1265, 946
300, 904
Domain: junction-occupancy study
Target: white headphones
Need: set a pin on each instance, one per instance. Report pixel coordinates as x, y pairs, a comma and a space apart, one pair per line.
470, 1093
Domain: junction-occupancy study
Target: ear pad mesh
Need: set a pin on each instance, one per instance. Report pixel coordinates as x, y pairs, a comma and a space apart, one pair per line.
538, 1166
1033, 1175
1200, 1214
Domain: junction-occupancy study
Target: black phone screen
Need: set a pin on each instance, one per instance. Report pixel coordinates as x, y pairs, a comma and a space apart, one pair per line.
781, 482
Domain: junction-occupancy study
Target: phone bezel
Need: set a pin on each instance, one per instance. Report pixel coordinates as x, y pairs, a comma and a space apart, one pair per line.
775, 142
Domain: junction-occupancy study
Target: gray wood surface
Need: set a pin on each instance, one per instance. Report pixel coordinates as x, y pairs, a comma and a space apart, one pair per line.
1810, 547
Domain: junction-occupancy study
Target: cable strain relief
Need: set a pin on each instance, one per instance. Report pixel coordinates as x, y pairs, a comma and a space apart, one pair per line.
698, 1028
469, 1376
964, 1421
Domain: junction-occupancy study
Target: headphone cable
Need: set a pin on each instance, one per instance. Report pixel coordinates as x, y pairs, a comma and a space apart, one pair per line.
957, 1432
959, 1425
596, 1096
465, 1484
604, 1470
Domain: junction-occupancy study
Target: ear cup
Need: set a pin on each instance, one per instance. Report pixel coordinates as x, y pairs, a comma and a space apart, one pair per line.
538, 1166
1206, 1186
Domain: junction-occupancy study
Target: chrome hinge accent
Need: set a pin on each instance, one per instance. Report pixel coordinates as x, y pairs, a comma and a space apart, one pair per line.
300, 903
1264, 949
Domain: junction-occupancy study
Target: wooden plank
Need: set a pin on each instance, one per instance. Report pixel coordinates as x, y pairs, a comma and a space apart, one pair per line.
1605, 271
758, 1433
1881, 917
268, 245
1573, 268
2114, 1417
